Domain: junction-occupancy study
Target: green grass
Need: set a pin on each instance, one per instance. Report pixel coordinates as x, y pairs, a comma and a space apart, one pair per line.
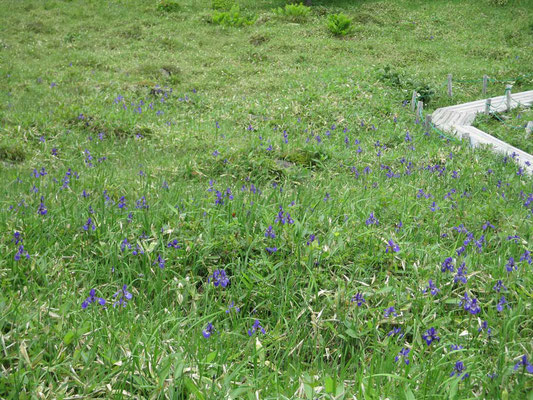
509, 127
235, 91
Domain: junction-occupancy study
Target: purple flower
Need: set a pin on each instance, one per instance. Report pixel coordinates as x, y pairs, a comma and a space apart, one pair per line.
455, 347
390, 311
447, 265
430, 336
372, 220
21, 252
461, 274
174, 244
458, 370
256, 327
89, 225
208, 331
526, 257
395, 331
271, 250
141, 204
501, 304
499, 286
283, 218
311, 239
42, 208
392, 246
270, 233
17, 238
125, 244
232, 305
514, 238
122, 203
160, 261
92, 299
510, 265
123, 296
359, 299
523, 362
404, 353
485, 327
219, 278
487, 225
470, 304
138, 250
431, 288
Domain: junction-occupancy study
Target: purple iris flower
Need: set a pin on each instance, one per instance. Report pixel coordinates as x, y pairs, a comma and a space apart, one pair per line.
404, 354
123, 297
431, 336
219, 278
459, 369
208, 331
92, 299
359, 299
524, 363
255, 328
431, 288
392, 246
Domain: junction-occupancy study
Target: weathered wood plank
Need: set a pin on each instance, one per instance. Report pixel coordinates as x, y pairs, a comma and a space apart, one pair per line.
458, 119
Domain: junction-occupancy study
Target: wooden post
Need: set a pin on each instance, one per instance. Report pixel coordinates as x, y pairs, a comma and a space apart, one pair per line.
487, 106
529, 128
485, 81
420, 109
508, 96
413, 100
450, 85
428, 121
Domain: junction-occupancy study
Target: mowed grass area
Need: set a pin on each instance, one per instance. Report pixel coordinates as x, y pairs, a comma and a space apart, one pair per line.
144, 152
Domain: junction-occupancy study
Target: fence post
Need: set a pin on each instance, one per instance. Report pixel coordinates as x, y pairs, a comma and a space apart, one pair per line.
428, 121
529, 128
450, 85
508, 96
487, 106
419, 110
413, 100
485, 80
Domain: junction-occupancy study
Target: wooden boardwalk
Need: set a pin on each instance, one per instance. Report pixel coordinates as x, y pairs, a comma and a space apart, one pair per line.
458, 119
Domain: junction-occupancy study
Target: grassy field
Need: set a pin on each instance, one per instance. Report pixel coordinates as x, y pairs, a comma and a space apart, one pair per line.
192, 210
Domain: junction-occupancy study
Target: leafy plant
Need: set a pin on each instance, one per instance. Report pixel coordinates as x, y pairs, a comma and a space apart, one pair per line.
340, 24
232, 17
390, 76
425, 93
293, 12
168, 5
223, 5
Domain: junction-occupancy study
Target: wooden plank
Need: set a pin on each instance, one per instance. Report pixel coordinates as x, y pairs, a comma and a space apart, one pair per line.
459, 118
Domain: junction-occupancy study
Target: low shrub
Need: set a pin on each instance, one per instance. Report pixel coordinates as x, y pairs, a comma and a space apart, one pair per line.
232, 17
340, 24
293, 12
223, 5
168, 5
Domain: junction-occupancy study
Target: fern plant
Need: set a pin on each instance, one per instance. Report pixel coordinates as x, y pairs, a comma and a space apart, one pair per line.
340, 24
293, 12
222, 5
232, 17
